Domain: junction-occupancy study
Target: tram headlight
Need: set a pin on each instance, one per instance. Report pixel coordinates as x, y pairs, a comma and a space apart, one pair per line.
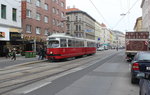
51, 52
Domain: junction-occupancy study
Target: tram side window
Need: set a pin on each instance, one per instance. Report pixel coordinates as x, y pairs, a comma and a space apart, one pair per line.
53, 44
74, 43
63, 43
90, 44
70, 43
82, 43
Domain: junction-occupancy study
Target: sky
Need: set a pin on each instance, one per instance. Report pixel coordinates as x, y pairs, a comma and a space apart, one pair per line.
109, 12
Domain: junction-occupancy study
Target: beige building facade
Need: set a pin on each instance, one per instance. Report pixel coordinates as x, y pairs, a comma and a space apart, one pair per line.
138, 25
80, 24
145, 5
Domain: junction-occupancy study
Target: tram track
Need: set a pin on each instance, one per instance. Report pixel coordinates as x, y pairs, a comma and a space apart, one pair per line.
13, 80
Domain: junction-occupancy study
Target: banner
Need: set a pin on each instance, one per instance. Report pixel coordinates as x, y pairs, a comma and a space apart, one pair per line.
2, 34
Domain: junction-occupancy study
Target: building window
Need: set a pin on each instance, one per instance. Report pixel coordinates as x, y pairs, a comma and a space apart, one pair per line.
62, 4
53, 21
53, 10
57, 11
28, 28
79, 27
46, 32
29, 1
46, 19
68, 26
62, 14
29, 13
38, 3
38, 16
46, 6
76, 18
38, 30
68, 19
14, 14
62, 24
56, 1
3, 11
76, 27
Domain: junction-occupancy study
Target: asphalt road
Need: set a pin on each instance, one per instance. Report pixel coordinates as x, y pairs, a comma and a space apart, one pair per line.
108, 76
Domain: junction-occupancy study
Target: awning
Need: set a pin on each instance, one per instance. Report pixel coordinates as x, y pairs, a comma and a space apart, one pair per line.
15, 30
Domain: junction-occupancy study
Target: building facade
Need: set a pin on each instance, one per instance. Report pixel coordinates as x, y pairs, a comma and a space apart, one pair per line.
98, 34
10, 25
138, 24
106, 36
119, 39
41, 18
80, 24
145, 5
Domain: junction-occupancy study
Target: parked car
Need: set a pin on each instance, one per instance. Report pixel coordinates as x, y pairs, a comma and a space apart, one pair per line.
144, 83
100, 48
140, 63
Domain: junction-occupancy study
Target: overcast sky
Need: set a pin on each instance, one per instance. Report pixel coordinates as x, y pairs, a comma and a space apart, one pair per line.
108, 12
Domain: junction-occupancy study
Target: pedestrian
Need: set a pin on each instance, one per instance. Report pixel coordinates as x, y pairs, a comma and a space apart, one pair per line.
117, 48
40, 54
7, 52
43, 54
13, 54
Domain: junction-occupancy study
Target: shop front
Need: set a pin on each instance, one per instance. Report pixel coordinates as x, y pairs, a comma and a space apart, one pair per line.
16, 42
4, 39
33, 43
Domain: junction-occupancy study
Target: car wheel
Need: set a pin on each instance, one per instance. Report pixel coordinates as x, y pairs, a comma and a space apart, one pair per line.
133, 80
140, 92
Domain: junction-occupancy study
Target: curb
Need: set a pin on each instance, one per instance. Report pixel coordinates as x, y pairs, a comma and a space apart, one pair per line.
22, 64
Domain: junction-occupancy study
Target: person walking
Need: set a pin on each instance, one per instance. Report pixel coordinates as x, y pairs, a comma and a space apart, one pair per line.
7, 52
40, 54
13, 54
43, 54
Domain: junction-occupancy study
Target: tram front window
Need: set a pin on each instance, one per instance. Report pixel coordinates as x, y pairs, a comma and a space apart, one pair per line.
53, 44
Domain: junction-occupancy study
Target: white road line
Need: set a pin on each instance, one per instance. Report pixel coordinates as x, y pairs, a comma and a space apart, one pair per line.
35, 88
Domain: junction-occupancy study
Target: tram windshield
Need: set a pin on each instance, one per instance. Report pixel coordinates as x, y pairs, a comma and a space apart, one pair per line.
53, 44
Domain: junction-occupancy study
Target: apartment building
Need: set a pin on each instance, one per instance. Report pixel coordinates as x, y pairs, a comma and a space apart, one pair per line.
10, 24
98, 33
80, 24
41, 18
145, 5
138, 24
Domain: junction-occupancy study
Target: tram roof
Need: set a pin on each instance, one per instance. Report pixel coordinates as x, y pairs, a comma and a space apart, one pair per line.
63, 35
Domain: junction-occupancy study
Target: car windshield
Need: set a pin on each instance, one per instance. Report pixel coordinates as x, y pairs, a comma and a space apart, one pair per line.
53, 44
145, 56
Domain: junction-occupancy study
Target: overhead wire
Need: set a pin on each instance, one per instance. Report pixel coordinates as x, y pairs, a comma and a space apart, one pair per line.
125, 14
99, 12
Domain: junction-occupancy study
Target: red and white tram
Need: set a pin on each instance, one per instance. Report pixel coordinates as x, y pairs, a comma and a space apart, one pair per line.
61, 46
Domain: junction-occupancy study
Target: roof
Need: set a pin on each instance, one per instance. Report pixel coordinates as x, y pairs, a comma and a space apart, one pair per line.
63, 35
72, 9
103, 25
75, 10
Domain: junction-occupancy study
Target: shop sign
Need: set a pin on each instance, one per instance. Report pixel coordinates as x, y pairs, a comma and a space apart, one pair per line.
88, 30
2, 34
14, 36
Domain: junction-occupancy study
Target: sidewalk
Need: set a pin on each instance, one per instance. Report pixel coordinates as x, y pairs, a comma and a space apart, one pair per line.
20, 60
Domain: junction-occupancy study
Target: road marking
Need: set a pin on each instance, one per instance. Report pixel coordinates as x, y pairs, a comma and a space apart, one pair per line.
35, 88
